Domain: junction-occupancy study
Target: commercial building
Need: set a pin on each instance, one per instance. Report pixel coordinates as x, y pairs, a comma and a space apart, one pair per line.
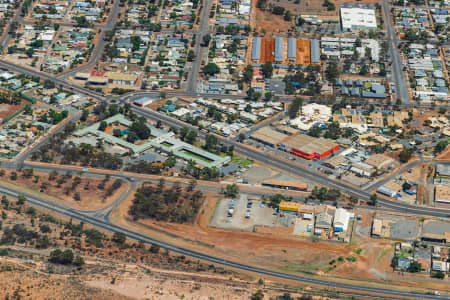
279, 49
292, 49
315, 52
380, 161
386, 191
144, 101
287, 185
256, 49
121, 79
358, 16
268, 136
288, 206
341, 220
309, 147
442, 194
443, 169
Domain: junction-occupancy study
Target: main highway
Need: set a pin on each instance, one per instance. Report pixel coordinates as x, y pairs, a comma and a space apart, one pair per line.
104, 224
276, 162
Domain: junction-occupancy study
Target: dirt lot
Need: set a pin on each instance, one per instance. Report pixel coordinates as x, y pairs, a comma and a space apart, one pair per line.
7, 109
113, 271
303, 52
275, 248
91, 196
269, 23
267, 49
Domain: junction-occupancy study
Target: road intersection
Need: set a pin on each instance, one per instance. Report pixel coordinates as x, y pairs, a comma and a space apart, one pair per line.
101, 218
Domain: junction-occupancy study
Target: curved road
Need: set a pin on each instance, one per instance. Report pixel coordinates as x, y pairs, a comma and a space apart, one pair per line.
105, 224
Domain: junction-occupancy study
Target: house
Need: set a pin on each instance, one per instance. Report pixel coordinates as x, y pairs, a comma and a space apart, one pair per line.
403, 264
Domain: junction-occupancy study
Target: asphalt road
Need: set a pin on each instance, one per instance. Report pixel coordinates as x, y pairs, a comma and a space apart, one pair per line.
274, 161
202, 31
397, 67
103, 223
100, 46
297, 169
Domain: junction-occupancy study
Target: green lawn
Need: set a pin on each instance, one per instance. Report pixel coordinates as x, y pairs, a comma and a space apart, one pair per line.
166, 144
246, 162
197, 156
235, 159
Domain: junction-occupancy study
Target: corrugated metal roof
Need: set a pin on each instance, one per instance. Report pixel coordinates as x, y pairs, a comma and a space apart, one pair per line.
315, 54
279, 49
292, 48
256, 48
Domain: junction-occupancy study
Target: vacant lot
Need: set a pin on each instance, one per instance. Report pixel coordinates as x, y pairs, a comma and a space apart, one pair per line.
77, 192
8, 109
303, 52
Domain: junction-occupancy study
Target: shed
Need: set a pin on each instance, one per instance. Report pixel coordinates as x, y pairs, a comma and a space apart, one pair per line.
341, 219
256, 49
292, 49
315, 51
279, 49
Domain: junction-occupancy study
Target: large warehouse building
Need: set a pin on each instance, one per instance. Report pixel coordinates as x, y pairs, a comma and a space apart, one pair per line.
279, 49
268, 136
256, 49
309, 147
358, 16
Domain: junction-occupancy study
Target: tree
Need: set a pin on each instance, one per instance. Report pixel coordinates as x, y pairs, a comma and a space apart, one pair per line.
183, 133
154, 249
102, 126
373, 199
332, 72
84, 115
118, 238
211, 142
267, 69
191, 55
259, 295
21, 200
364, 70
438, 274
440, 146
82, 21
414, 267
141, 129
211, 69
61, 257
241, 137
206, 39
191, 137
78, 261
405, 155
131, 137
294, 107
278, 10
117, 132
248, 74
288, 16
353, 200
231, 190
